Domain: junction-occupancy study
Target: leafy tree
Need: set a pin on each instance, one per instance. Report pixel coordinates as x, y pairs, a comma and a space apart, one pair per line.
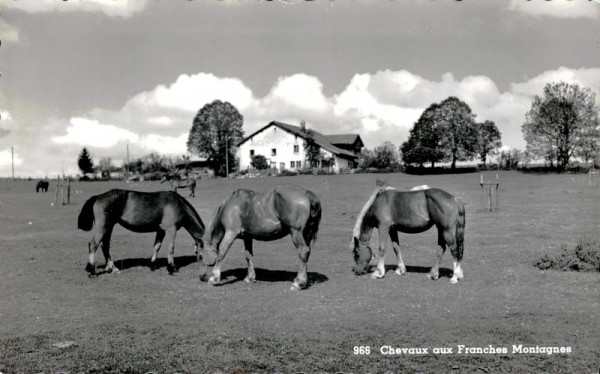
106, 166
216, 131
385, 155
456, 123
85, 163
366, 159
312, 150
562, 123
489, 140
259, 162
510, 159
423, 144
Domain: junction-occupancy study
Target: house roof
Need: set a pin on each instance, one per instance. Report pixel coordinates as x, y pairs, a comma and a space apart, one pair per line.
320, 139
346, 139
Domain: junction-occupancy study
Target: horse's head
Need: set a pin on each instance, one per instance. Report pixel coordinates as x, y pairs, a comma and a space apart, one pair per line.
207, 256
362, 256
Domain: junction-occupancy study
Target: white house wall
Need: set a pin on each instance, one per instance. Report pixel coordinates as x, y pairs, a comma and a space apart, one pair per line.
273, 138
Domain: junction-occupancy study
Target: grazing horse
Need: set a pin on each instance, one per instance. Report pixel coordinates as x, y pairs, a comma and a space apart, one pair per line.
176, 182
42, 185
162, 212
264, 216
415, 211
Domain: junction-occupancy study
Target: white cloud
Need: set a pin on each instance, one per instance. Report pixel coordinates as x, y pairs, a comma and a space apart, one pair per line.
557, 8
88, 132
6, 159
121, 8
8, 33
381, 106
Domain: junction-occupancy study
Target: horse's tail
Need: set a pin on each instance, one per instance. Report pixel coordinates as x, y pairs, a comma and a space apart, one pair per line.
460, 230
312, 224
85, 221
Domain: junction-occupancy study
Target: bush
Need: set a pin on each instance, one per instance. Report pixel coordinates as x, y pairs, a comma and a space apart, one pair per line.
287, 173
585, 256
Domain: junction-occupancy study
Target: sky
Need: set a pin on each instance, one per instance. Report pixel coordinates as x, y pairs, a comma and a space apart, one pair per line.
107, 75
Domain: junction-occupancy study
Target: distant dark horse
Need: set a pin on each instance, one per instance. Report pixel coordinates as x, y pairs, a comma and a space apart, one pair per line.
162, 212
264, 216
42, 185
392, 211
176, 182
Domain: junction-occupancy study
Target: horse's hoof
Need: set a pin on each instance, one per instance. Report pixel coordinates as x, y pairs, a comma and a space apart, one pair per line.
453, 280
213, 281
433, 276
295, 287
171, 269
376, 276
401, 271
249, 280
90, 268
114, 270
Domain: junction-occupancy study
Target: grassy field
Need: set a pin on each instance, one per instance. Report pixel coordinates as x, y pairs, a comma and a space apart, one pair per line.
54, 318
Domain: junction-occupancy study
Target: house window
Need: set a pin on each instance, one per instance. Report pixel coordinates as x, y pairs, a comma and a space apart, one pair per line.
296, 148
273, 164
274, 152
298, 164
282, 165
251, 152
292, 164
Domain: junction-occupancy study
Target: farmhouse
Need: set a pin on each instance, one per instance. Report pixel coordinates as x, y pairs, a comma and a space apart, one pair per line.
283, 147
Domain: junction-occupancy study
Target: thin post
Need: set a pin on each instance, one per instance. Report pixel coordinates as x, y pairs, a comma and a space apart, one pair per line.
12, 156
127, 165
56, 196
226, 157
69, 191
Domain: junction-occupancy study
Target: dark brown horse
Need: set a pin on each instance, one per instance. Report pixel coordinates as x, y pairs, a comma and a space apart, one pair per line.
176, 182
264, 216
162, 212
42, 185
391, 211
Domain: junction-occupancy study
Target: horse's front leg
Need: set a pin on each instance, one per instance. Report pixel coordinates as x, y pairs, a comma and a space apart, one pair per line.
301, 280
223, 249
170, 259
380, 271
93, 245
251, 277
160, 235
400, 269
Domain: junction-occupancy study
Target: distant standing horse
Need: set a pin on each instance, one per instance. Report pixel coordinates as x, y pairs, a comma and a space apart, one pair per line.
42, 185
162, 212
392, 211
176, 182
265, 216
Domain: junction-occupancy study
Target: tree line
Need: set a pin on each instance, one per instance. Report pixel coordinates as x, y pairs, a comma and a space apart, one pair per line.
561, 124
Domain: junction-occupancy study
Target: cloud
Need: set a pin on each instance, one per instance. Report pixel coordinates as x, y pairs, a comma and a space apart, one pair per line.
557, 9
382, 106
121, 8
8, 33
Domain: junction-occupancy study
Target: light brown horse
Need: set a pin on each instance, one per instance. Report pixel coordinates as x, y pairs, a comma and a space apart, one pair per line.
264, 216
392, 211
162, 212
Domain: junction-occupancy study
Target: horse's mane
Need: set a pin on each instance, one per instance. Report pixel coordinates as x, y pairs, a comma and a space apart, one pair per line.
190, 209
214, 225
363, 212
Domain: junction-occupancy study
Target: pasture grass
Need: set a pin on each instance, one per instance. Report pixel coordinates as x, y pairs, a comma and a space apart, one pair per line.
54, 318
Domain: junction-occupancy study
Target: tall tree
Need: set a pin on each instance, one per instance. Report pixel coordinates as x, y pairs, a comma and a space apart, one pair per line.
215, 133
489, 140
385, 155
423, 144
85, 163
562, 123
456, 123
106, 166
312, 150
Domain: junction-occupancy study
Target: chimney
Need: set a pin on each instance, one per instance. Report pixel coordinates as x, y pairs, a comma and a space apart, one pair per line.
303, 126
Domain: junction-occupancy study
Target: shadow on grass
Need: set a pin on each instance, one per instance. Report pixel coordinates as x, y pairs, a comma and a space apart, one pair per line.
128, 263
266, 275
444, 272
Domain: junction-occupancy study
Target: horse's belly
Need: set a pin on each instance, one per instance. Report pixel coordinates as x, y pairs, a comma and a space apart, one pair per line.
140, 226
265, 231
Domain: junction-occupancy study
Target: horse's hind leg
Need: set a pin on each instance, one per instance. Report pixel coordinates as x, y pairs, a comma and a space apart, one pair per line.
434, 273
110, 266
251, 277
457, 252
93, 245
301, 280
192, 192
401, 269
160, 235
